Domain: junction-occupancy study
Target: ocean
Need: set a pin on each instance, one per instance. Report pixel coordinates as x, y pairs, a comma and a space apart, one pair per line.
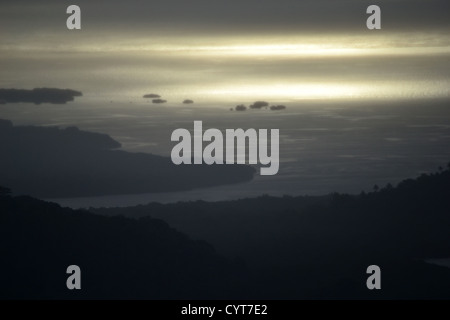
325, 145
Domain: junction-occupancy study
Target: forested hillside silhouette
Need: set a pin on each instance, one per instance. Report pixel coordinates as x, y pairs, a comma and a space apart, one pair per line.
301, 244
119, 257
267, 248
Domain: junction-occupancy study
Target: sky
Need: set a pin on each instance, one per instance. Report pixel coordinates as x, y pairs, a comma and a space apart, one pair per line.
252, 16
215, 50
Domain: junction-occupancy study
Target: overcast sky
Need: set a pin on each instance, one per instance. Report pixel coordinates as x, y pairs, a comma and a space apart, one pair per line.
210, 42
205, 16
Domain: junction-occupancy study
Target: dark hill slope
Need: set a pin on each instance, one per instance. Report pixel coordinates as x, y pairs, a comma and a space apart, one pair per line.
118, 257
321, 246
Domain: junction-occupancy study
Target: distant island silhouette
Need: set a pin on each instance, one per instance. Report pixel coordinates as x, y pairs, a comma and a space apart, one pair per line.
50, 162
277, 107
38, 95
241, 107
258, 105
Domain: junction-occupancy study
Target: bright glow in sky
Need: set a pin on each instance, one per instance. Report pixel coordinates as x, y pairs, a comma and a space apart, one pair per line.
303, 91
231, 68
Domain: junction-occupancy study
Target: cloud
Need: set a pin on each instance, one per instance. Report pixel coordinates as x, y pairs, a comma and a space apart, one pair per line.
38, 95
188, 101
159, 101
